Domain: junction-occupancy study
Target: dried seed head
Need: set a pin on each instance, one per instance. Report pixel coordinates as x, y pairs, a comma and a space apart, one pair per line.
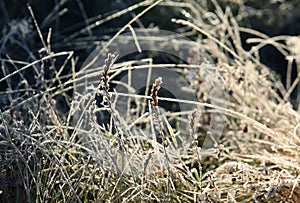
193, 122
103, 87
154, 91
158, 124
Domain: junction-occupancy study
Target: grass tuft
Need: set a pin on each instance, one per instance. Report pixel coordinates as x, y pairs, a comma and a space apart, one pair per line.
231, 135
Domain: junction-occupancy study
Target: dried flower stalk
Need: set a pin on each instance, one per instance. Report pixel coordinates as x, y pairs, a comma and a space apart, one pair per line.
158, 124
103, 87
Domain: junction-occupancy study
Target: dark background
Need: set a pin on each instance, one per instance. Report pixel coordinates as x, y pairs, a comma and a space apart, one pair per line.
65, 18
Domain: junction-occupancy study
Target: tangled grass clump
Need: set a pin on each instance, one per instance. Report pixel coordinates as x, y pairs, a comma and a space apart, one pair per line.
59, 144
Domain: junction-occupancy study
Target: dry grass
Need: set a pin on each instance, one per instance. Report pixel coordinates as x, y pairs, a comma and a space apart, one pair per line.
56, 146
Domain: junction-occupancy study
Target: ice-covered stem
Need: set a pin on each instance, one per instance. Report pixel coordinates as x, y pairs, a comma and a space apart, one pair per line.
193, 132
